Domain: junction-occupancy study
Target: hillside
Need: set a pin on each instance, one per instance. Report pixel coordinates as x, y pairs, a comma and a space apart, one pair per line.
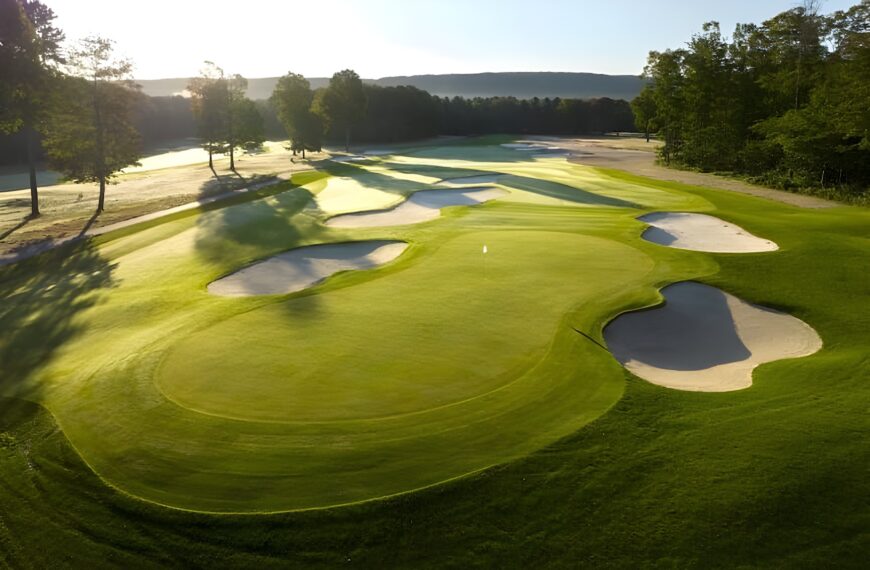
518, 84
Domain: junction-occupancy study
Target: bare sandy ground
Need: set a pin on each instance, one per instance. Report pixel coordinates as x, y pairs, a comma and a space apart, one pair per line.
703, 339
301, 268
68, 209
700, 232
636, 156
422, 206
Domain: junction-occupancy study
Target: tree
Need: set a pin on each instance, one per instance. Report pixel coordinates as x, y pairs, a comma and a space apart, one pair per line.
209, 102
29, 52
292, 101
644, 108
342, 105
247, 127
244, 125
665, 70
90, 134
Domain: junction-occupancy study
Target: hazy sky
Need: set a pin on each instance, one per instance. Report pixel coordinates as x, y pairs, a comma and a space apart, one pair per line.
261, 38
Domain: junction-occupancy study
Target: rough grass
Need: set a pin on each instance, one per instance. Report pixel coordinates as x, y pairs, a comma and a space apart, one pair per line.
770, 476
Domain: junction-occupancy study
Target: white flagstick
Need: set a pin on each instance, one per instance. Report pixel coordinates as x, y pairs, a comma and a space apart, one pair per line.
484, 261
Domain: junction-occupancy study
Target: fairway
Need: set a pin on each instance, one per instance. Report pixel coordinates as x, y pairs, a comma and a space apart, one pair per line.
434, 286
479, 344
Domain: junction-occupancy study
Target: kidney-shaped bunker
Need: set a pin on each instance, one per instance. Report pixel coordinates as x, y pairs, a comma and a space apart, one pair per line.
303, 267
700, 232
705, 340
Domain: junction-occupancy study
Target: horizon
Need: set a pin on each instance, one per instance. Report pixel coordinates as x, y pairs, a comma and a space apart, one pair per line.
421, 39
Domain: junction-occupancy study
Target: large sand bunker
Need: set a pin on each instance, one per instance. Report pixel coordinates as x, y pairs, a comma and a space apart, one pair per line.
301, 268
700, 232
422, 206
705, 340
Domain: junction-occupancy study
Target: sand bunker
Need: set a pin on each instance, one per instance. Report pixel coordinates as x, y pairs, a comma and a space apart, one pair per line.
420, 207
344, 159
700, 232
301, 268
470, 180
526, 146
705, 340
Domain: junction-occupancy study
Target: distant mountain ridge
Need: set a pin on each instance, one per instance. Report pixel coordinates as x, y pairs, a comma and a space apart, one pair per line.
523, 85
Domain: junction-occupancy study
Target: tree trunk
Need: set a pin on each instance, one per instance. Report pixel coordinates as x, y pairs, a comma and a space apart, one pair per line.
102, 202
647, 131
347, 140
303, 148
210, 161
31, 163
232, 158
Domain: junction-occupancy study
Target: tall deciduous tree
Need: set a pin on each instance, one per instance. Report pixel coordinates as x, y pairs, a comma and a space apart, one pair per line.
209, 103
244, 125
292, 100
29, 53
342, 104
644, 108
90, 134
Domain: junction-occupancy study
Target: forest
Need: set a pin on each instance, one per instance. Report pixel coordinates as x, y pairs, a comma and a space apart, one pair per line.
785, 103
392, 114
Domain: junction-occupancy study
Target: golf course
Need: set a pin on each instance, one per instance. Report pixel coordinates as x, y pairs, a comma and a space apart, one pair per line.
341, 349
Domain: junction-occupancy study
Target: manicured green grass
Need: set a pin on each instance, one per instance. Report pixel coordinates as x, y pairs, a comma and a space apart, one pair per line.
770, 476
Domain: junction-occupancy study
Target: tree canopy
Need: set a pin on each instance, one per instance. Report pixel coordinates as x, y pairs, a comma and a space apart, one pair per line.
785, 102
90, 134
292, 101
29, 53
342, 105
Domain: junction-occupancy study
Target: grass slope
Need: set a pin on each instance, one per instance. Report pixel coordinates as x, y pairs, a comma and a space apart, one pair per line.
771, 476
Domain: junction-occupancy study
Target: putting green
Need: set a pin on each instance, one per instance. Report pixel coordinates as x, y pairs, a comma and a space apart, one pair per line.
375, 382
400, 345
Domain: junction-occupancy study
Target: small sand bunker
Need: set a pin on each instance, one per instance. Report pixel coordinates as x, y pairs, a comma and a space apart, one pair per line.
525, 146
700, 232
301, 268
705, 340
422, 206
349, 158
470, 180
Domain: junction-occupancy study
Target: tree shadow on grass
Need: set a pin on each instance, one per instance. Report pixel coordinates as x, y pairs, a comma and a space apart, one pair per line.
547, 188
40, 299
372, 179
561, 191
16, 227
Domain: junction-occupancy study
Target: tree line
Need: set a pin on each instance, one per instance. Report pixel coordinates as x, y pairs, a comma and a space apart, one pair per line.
80, 110
786, 102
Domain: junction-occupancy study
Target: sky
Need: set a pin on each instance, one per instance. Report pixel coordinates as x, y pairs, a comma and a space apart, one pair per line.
378, 38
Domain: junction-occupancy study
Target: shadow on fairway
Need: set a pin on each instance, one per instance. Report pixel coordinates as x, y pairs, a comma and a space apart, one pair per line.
562, 192
547, 188
39, 302
372, 179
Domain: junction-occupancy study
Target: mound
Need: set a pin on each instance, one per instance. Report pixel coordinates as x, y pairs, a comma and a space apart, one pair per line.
705, 340
700, 232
